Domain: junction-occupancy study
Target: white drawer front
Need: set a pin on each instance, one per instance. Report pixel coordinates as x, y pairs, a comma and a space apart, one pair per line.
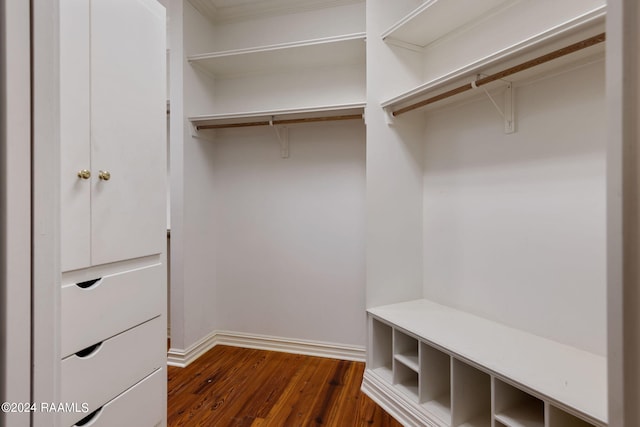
140, 406
116, 365
110, 306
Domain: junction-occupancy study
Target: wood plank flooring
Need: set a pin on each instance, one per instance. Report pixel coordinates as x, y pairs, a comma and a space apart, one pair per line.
230, 386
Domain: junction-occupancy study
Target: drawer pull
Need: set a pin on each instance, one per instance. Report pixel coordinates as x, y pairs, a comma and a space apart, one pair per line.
86, 352
87, 420
88, 283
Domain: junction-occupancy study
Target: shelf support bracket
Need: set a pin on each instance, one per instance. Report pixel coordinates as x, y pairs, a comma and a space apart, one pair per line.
196, 134
282, 132
389, 117
508, 115
509, 110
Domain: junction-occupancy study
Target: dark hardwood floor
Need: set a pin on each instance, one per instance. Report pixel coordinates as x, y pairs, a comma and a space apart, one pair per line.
231, 386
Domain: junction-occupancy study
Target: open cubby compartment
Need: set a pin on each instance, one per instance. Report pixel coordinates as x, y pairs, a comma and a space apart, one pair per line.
516, 408
470, 397
558, 418
405, 350
405, 379
435, 382
381, 348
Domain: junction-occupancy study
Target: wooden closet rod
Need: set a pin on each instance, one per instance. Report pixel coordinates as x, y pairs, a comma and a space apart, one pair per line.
281, 122
509, 71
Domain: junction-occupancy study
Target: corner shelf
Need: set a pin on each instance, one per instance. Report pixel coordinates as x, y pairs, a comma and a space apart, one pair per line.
461, 354
586, 25
435, 18
330, 51
267, 117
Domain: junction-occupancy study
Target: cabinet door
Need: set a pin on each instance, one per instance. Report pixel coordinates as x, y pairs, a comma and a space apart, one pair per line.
128, 128
75, 191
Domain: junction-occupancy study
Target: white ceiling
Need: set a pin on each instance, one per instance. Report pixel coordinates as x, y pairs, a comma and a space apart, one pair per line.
235, 10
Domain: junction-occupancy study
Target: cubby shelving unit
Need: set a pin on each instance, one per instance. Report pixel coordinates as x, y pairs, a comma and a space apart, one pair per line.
323, 52
467, 362
434, 18
574, 31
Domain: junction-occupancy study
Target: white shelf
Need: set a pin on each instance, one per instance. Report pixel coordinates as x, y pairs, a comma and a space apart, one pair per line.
440, 407
435, 18
523, 415
325, 52
408, 360
559, 418
565, 375
411, 390
288, 114
481, 421
586, 25
515, 408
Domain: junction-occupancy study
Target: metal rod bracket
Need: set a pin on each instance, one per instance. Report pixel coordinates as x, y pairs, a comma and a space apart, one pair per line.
508, 114
196, 134
282, 132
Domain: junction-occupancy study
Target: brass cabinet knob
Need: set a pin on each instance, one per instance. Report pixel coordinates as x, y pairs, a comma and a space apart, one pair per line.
104, 175
84, 174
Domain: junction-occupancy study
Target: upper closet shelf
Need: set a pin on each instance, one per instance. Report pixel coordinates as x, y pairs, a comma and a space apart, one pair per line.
568, 45
279, 117
569, 377
435, 18
326, 52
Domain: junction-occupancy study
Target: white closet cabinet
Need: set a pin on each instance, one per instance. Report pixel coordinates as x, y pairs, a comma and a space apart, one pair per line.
113, 126
113, 217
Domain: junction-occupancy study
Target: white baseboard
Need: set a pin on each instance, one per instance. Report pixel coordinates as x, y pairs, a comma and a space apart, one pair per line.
182, 358
395, 403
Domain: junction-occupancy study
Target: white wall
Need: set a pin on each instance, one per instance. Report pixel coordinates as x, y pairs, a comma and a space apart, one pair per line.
623, 109
514, 225
320, 23
282, 89
516, 21
394, 168
289, 233
193, 288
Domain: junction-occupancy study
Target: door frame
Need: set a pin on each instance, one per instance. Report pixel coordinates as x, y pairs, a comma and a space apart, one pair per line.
46, 209
15, 207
